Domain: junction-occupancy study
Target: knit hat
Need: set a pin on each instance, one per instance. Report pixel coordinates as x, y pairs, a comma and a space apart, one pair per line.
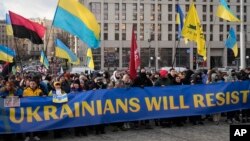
163, 73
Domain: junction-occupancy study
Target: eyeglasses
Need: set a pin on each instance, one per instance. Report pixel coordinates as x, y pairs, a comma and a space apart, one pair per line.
58, 84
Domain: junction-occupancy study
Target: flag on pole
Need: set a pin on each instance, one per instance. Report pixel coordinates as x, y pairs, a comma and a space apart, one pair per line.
90, 61
44, 60
9, 30
24, 28
231, 42
224, 12
75, 18
7, 54
134, 62
179, 19
192, 30
62, 51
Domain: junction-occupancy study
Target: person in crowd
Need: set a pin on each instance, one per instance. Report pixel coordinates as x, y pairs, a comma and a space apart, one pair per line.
65, 83
196, 79
75, 89
214, 78
143, 81
171, 75
162, 82
32, 91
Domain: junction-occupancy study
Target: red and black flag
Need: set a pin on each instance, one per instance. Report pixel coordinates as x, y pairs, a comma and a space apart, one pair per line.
24, 28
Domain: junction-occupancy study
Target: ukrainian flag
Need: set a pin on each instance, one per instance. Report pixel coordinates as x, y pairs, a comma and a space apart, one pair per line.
62, 51
9, 30
179, 19
90, 61
231, 42
224, 12
6, 54
44, 60
75, 18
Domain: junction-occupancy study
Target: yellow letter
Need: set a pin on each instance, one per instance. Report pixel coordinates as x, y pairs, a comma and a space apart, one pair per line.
165, 102
13, 115
220, 99
122, 105
228, 98
77, 109
50, 111
182, 103
156, 104
90, 109
198, 101
99, 107
171, 102
209, 100
34, 114
134, 103
66, 111
109, 107
245, 95
235, 97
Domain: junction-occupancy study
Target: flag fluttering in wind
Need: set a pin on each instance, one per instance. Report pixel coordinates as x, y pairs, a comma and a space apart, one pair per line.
9, 30
224, 12
90, 61
192, 30
76, 19
62, 51
134, 62
179, 19
44, 60
24, 28
231, 42
6, 54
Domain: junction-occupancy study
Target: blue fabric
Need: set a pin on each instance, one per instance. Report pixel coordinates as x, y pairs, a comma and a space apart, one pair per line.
122, 105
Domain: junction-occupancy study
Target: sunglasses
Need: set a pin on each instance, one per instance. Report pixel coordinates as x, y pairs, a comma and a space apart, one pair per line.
58, 84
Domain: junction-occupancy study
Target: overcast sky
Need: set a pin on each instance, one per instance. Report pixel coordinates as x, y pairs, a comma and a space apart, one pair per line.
29, 8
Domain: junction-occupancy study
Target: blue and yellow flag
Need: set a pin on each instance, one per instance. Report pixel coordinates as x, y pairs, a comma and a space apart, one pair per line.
9, 29
44, 60
231, 42
179, 19
192, 30
62, 51
225, 13
6, 54
90, 61
75, 18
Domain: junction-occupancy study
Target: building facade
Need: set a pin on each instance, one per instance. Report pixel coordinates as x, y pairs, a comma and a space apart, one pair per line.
156, 29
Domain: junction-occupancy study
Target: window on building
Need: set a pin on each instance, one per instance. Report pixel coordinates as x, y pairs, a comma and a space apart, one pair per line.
170, 27
135, 7
111, 58
170, 9
116, 36
105, 36
165, 57
152, 7
134, 16
117, 27
221, 28
204, 17
221, 37
204, 8
105, 27
125, 57
170, 17
170, 37
123, 36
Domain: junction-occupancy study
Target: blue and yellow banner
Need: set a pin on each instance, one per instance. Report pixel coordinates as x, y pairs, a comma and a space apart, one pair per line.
124, 104
9, 30
224, 12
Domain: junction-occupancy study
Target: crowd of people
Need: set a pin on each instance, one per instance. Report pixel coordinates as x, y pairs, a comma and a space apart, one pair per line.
31, 84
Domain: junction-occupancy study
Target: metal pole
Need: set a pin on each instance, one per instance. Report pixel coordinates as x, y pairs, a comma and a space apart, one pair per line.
242, 47
149, 53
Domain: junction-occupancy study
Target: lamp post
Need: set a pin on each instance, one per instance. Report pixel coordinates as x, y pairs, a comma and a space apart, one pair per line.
149, 54
247, 58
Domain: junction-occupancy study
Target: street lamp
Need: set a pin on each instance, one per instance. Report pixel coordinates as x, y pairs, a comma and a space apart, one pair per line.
149, 53
247, 58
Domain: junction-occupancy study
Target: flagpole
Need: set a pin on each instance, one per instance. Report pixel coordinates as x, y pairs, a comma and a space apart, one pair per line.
176, 47
242, 47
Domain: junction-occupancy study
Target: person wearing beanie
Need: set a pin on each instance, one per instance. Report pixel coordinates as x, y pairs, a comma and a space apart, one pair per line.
163, 80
